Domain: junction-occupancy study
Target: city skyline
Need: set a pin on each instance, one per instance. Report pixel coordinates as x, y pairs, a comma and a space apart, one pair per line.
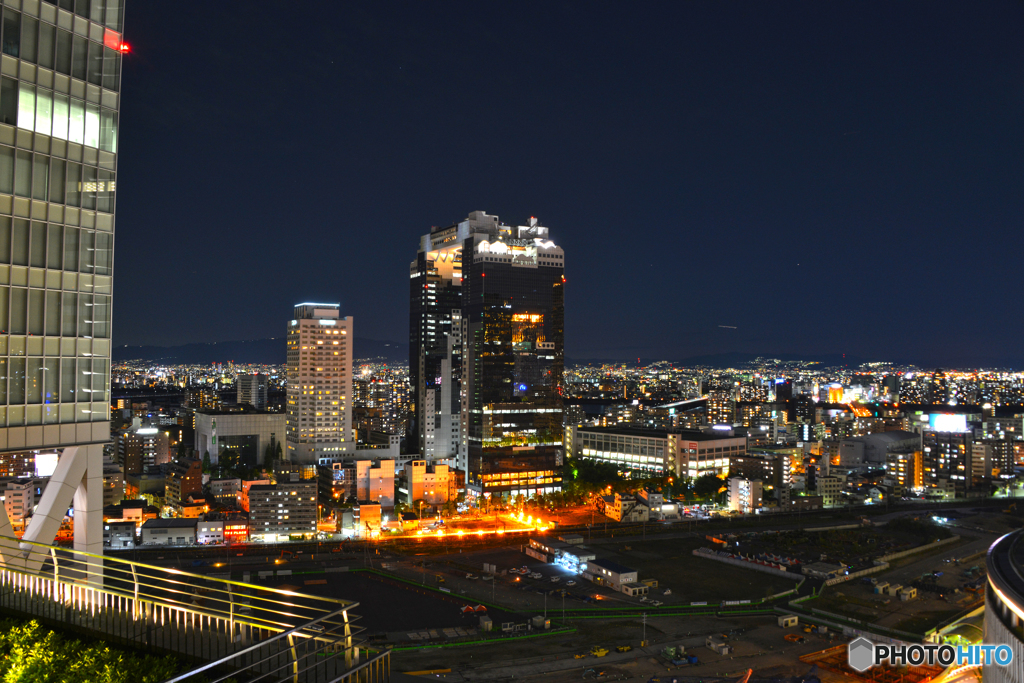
805, 180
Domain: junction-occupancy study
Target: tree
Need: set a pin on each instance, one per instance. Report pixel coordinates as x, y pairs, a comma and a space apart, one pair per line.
268, 457
207, 463
418, 506
280, 451
707, 486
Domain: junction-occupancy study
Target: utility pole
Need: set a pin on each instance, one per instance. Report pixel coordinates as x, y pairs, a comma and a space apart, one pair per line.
643, 643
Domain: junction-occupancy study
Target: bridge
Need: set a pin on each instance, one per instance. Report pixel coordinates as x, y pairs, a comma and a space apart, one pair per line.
221, 628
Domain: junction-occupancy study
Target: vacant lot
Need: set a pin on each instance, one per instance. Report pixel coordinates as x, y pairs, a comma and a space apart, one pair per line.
388, 605
693, 579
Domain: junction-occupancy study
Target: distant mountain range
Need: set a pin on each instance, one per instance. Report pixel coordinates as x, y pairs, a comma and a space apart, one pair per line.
735, 359
739, 359
272, 352
258, 351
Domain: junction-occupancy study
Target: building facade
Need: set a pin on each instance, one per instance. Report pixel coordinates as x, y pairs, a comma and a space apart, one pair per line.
240, 437
376, 482
659, 451
142, 447
486, 342
744, 495
426, 482
282, 511
184, 479
59, 101
319, 391
252, 390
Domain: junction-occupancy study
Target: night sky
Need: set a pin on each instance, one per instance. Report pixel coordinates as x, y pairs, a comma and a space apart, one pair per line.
826, 177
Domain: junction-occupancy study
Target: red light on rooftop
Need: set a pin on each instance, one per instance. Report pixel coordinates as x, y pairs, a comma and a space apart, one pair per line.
124, 48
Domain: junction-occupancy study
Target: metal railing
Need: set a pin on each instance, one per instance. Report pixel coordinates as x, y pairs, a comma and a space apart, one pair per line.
235, 627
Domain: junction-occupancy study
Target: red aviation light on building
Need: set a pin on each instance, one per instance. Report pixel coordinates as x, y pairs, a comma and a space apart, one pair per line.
112, 39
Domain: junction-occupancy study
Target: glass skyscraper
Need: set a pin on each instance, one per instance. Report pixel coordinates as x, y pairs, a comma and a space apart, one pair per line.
489, 296
60, 73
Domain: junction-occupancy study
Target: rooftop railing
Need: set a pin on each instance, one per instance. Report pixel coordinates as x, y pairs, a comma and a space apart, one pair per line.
227, 627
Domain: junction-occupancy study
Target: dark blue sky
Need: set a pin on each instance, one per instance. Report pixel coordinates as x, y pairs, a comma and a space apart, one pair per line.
826, 177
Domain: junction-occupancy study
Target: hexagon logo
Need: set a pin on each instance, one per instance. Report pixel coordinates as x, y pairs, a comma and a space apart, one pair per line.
860, 654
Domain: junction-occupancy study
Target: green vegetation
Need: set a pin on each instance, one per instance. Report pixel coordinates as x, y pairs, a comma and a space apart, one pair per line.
30, 653
924, 530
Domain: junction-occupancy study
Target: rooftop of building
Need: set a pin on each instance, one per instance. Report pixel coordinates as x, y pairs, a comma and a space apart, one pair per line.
885, 438
235, 409
690, 434
170, 523
611, 566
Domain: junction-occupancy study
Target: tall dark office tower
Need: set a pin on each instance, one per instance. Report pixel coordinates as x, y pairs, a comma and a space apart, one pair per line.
491, 296
60, 74
512, 328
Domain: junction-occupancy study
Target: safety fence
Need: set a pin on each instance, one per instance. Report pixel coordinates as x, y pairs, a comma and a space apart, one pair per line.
232, 628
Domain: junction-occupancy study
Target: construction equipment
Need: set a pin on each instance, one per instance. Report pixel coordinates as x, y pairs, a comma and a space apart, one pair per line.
579, 656
598, 651
793, 638
624, 648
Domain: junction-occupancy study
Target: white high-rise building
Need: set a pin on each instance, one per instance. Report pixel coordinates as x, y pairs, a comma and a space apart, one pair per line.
319, 423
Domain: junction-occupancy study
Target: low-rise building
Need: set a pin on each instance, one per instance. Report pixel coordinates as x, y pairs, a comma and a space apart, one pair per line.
169, 532
282, 511
152, 483
184, 479
135, 511
627, 508
236, 531
18, 497
745, 495
119, 535
195, 506
210, 532
376, 482
367, 520
243, 492
425, 482
681, 452
225, 491
113, 482
608, 573
830, 489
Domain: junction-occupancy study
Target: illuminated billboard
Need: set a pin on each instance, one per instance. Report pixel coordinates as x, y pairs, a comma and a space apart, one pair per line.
46, 463
946, 422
